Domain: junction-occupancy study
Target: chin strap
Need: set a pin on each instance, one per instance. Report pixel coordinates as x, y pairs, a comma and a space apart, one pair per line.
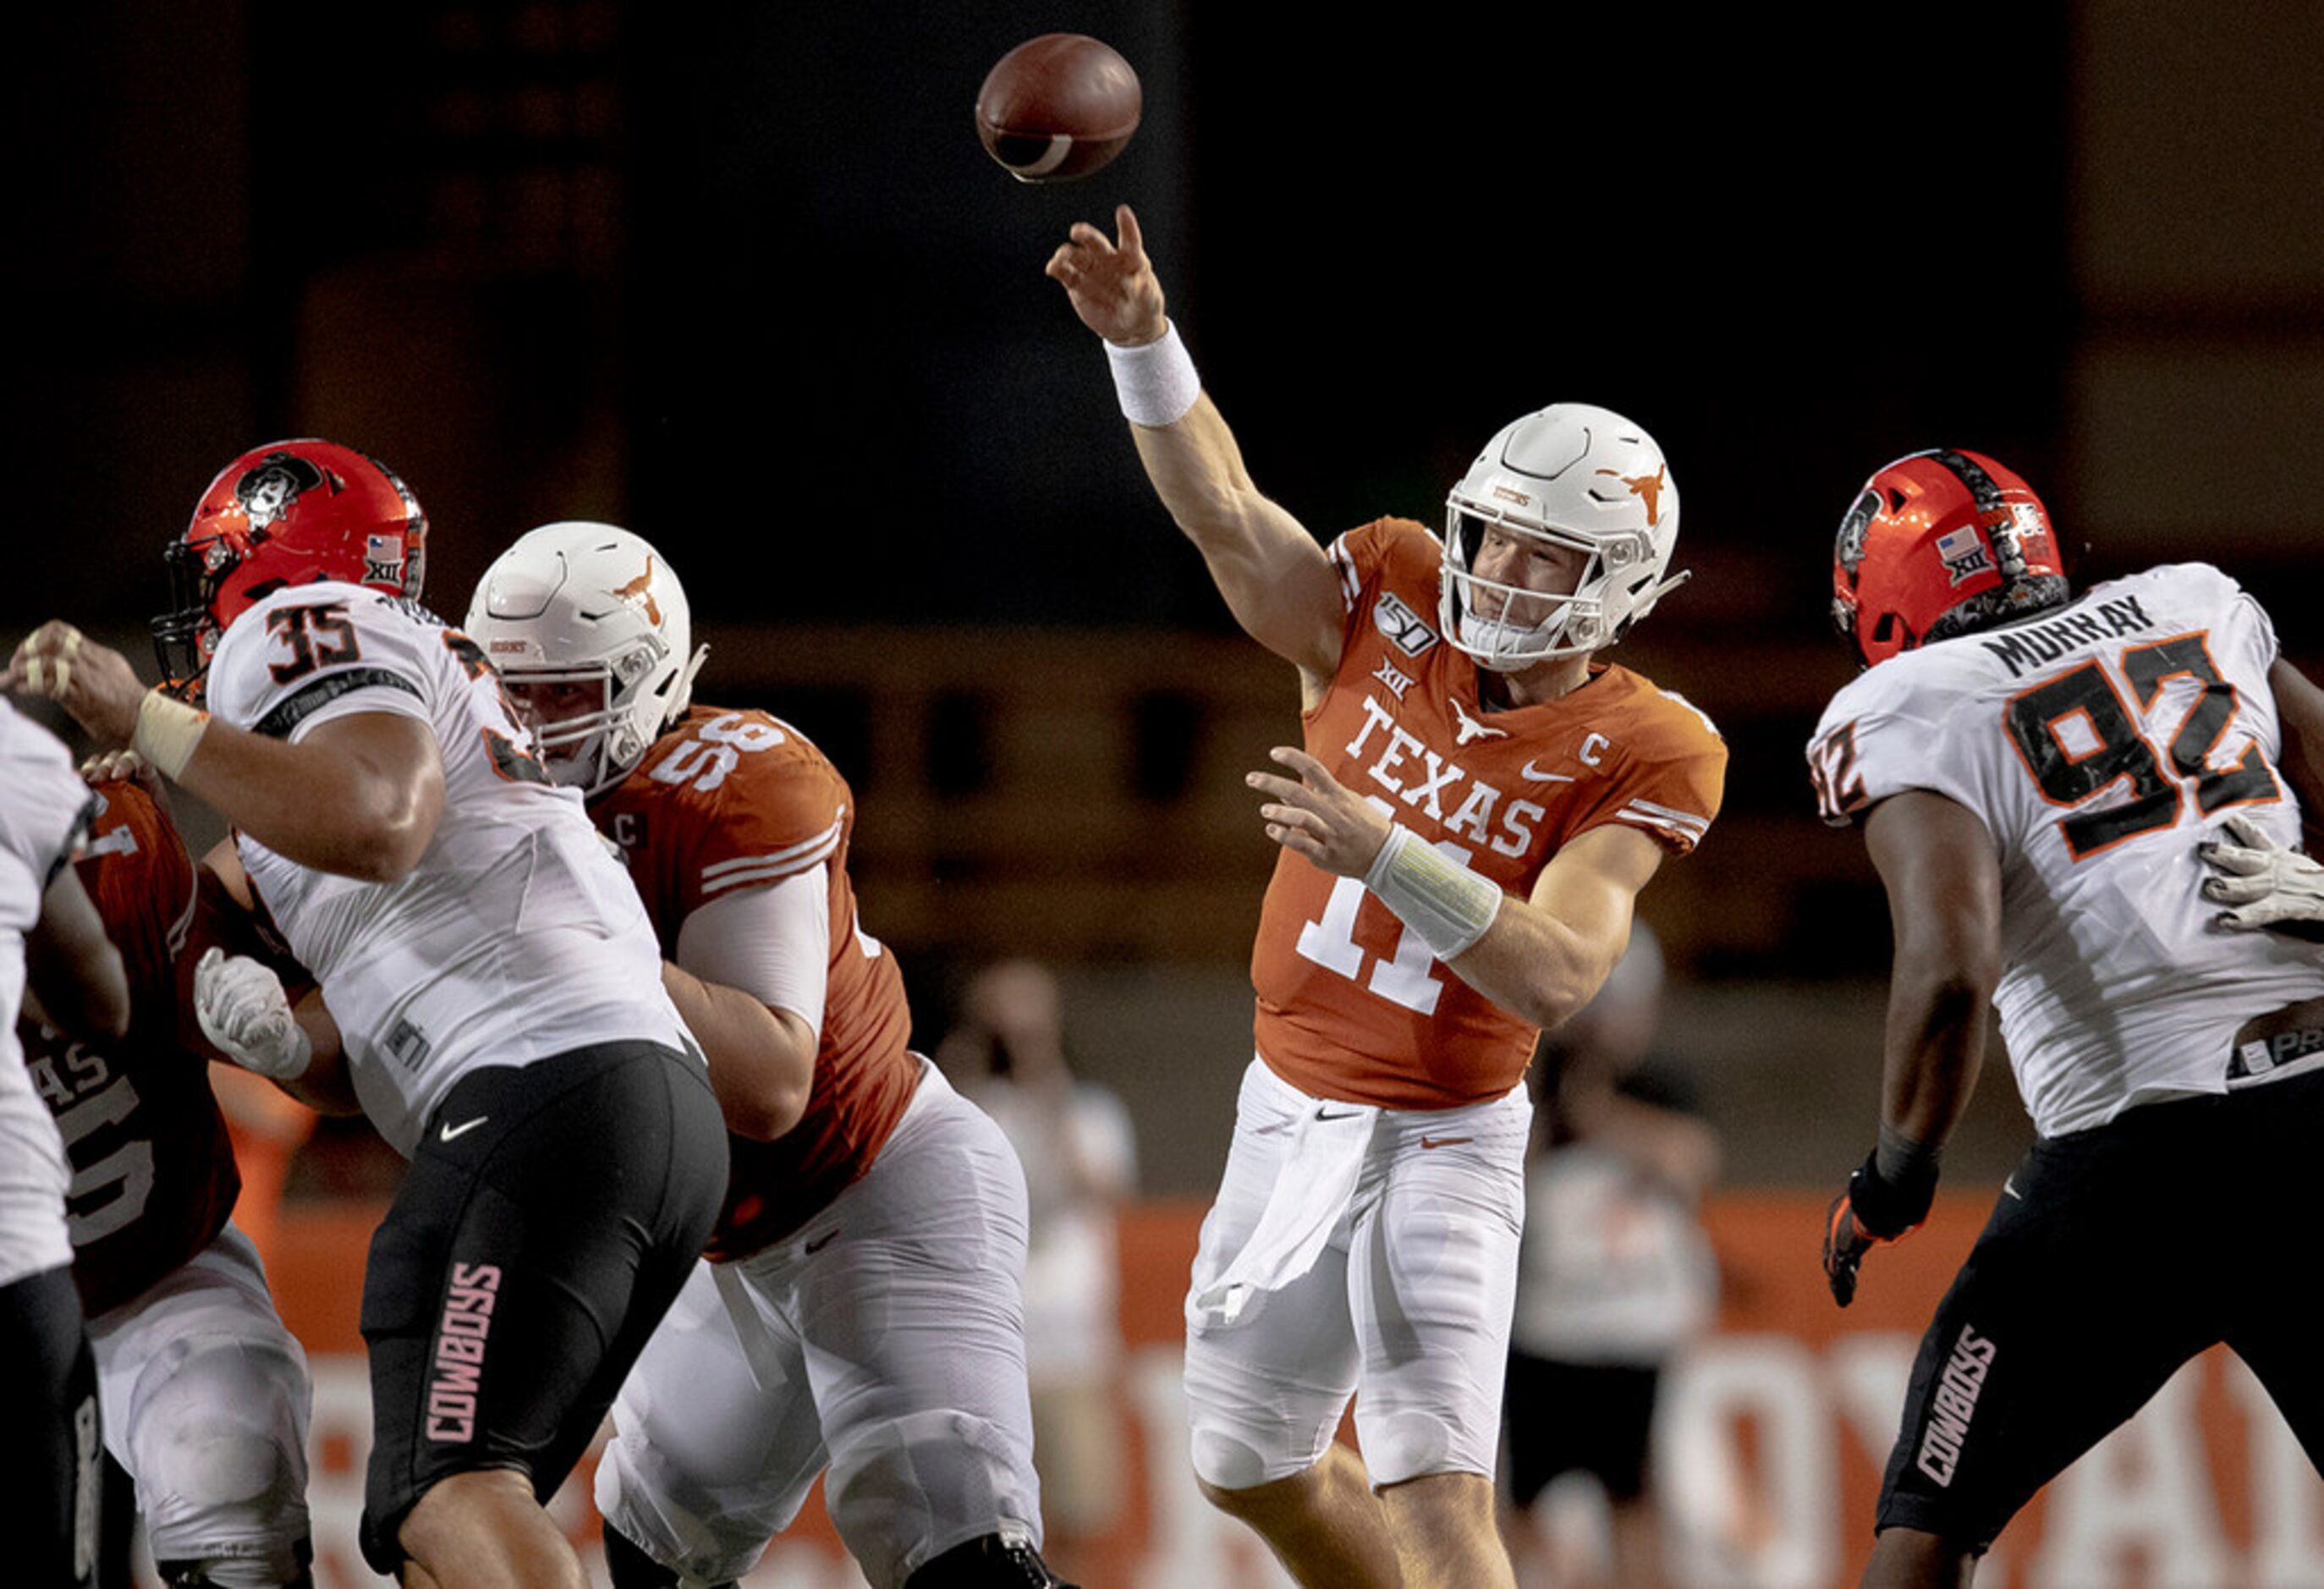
1639, 609
683, 692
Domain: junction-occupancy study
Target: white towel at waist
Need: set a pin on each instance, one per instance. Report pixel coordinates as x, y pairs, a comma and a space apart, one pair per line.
1312, 1188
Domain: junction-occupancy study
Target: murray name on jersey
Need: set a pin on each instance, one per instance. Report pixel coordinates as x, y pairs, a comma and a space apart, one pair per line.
2034, 645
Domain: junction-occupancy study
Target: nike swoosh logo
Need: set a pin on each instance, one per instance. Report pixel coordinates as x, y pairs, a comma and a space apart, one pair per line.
2009, 1186
1342, 1114
1427, 1142
821, 1241
1538, 776
461, 1130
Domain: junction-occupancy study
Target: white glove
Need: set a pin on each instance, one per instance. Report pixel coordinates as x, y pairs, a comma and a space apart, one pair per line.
243, 1009
2267, 884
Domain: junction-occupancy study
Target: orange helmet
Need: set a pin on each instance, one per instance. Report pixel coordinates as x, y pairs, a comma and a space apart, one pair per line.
286, 513
1937, 544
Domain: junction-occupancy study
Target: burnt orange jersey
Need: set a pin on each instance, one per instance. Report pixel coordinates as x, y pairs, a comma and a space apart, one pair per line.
1353, 1005
153, 1173
732, 800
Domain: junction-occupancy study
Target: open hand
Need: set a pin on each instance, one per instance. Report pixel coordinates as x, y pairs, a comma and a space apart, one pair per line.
2267, 884
1318, 816
1111, 284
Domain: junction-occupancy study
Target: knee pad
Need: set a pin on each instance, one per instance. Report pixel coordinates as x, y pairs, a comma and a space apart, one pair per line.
219, 1458
1405, 1445
1224, 1463
1004, 1560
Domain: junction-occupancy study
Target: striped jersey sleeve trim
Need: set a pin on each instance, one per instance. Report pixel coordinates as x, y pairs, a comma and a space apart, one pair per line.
1685, 825
311, 698
74, 839
774, 866
1352, 583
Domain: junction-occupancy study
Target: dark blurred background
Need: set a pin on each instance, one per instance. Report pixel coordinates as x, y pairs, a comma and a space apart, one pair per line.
741, 277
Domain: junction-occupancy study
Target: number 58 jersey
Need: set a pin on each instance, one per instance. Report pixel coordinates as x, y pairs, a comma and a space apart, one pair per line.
515, 938
2098, 742
728, 802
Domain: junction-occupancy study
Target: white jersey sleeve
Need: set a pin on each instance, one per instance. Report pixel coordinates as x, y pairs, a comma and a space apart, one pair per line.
2098, 743
515, 938
44, 811
772, 941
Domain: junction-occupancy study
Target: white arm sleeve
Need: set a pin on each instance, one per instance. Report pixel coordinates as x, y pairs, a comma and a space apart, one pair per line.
774, 943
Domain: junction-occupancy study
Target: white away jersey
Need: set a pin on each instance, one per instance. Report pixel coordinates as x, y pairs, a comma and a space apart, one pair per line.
44, 810
515, 938
2098, 743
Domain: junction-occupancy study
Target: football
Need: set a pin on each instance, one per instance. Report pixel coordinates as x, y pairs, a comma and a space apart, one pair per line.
1057, 107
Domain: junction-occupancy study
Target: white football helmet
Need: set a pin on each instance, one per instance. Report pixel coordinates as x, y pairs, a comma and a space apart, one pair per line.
575, 602
1573, 476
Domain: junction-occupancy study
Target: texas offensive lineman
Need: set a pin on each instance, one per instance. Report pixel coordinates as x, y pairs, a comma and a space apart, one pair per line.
2035, 775
1465, 835
496, 986
53, 952
861, 1308
204, 1392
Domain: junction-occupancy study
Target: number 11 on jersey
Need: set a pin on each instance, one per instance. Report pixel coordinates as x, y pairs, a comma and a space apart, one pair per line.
1408, 978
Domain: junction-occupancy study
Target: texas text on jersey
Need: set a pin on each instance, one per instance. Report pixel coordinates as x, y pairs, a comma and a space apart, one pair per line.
728, 800
2096, 741
514, 938
153, 1174
1351, 1004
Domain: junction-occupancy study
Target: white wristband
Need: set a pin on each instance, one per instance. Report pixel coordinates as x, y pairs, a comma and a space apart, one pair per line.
1154, 382
167, 732
1448, 905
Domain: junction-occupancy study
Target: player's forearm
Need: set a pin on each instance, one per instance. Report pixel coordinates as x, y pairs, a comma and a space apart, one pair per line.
313, 804
1937, 862
1546, 955
761, 1059
1276, 580
74, 977
1196, 468
1938, 992
1533, 965
1935, 1047
325, 1085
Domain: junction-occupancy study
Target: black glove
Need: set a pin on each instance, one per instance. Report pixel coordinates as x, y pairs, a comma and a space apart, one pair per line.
1880, 1205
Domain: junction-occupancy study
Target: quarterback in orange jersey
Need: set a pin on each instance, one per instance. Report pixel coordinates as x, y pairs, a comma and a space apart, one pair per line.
1478, 801
205, 1393
860, 1308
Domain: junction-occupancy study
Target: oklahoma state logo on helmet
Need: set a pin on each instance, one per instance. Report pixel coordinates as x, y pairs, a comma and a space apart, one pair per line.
267, 490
